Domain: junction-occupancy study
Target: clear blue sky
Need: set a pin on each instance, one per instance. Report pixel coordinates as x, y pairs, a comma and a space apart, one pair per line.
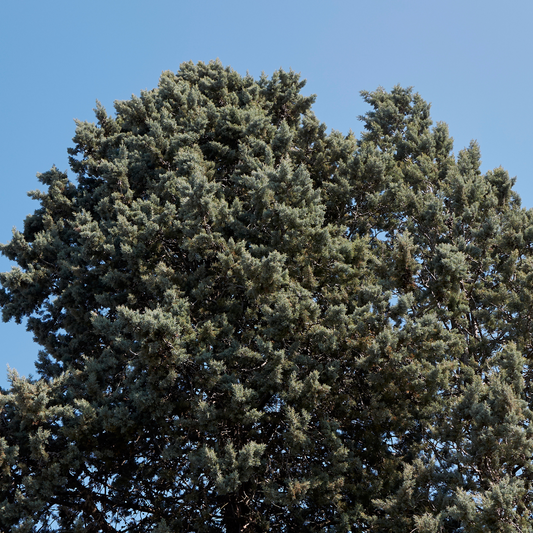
470, 58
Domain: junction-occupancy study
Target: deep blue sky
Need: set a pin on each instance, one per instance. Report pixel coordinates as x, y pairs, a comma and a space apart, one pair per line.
470, 58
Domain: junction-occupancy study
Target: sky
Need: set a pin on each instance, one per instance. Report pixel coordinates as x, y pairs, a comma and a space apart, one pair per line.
470, 58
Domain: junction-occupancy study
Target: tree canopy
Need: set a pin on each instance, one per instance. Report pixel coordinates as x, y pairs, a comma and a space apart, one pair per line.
248, 323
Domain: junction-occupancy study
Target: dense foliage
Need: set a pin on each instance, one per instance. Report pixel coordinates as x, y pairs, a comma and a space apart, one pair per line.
250, 324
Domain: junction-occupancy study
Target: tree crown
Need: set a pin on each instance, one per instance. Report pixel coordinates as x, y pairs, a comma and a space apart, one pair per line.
250, 323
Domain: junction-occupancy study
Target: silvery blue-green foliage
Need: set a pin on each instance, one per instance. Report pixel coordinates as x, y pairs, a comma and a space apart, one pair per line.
249, 324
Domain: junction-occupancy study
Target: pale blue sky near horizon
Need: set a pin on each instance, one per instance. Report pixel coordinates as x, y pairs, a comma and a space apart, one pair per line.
469, 58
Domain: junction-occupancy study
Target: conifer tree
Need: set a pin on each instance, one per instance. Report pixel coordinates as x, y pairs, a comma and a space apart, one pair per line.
250, 324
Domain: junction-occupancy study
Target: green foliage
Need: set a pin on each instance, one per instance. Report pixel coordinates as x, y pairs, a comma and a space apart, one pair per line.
249, 324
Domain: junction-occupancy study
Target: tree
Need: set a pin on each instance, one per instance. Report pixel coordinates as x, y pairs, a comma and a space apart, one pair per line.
250, 324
